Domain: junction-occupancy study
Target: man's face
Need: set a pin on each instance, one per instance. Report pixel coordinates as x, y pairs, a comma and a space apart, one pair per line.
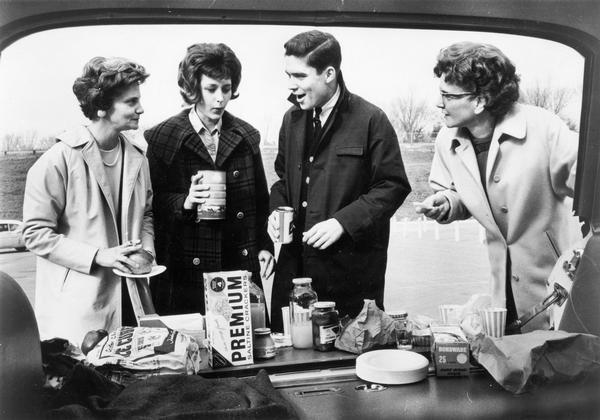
309, 87
457, 104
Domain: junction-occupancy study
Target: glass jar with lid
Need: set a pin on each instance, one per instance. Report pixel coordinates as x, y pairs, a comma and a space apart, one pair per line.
302, 300
402, 330
257, 305
264, 345
325, 326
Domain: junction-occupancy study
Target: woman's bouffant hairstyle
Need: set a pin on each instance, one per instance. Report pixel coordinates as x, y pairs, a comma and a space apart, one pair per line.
216, 61
483, 69
104, 79
321, 50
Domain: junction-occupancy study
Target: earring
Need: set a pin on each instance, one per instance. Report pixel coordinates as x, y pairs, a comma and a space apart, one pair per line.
101, 113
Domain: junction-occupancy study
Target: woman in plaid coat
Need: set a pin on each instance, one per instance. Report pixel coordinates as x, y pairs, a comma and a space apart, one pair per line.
206, 137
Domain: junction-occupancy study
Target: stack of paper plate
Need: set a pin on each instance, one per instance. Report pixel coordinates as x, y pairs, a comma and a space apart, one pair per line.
391, 367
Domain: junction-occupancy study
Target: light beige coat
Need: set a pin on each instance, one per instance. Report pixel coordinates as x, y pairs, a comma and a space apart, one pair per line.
530, 173
68, 215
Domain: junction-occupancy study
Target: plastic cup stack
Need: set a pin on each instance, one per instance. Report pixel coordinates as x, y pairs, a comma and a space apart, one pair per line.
494, 321
449, 314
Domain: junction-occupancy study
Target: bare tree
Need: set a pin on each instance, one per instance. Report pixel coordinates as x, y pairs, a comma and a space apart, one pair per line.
410, 116
552, 98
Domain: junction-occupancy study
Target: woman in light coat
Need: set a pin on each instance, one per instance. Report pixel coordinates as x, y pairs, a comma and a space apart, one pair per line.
88, 205
510, 166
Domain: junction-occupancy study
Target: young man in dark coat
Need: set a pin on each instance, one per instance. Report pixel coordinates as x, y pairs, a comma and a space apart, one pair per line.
340, 169
206, 137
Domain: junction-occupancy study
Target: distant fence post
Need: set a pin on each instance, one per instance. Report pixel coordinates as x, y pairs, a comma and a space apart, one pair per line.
481, 234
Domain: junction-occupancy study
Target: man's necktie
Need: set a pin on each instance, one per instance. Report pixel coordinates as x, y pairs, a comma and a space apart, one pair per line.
317, 123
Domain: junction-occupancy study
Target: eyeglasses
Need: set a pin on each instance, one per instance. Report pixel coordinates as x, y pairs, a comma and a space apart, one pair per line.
454, 96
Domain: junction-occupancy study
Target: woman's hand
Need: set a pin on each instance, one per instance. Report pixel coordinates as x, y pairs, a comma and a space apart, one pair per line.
267, 264
435, 206
116, 257
197, 194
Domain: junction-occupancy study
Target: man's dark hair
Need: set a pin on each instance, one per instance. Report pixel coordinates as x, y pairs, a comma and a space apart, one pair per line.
321, 49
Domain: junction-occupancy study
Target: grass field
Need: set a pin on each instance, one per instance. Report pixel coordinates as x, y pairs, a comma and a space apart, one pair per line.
13, 172
425, 268
14, 167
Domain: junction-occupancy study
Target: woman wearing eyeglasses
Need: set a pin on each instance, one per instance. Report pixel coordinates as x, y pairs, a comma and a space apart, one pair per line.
510, 166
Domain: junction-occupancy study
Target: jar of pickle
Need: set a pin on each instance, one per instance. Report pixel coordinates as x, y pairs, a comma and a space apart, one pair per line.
325, 326
302, 300
264, 345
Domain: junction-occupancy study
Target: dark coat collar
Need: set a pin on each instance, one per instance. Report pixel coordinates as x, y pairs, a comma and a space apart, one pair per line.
172, 140
298, 112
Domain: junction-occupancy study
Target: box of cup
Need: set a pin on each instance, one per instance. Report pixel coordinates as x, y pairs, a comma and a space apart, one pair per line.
214, 206
449, 350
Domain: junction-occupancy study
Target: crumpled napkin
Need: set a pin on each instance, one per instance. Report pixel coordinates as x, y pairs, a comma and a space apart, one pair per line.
523, 361
372, 327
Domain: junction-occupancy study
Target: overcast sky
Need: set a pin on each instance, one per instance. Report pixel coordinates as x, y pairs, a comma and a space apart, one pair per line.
37, 72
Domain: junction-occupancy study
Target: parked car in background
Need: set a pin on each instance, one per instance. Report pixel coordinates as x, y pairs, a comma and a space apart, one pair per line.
10, 235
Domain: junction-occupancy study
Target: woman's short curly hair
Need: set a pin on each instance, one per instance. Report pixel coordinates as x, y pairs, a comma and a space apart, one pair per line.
104, 79
483, 69
216, 61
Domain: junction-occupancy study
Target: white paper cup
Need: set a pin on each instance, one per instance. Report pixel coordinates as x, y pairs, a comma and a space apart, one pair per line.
494, 321
285, 315
450, 314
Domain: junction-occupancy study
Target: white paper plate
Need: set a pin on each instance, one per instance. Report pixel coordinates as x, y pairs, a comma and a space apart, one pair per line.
391, 367
157, 269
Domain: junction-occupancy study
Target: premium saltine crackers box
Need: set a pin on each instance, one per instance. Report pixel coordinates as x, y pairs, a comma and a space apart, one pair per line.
228, 320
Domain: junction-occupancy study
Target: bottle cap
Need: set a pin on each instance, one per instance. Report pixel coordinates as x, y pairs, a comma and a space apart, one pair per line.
398, 314
324, 305
302, 280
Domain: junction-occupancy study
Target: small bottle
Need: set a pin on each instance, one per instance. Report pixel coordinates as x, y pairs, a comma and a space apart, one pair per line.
302, 300
402, 330
325, 326
264, 345
257, 305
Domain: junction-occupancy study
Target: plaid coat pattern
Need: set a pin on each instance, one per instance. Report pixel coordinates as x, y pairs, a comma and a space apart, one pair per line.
187, 248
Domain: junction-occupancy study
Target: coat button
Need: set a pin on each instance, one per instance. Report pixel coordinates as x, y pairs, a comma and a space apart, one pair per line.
245, 252
504, 209
310, 159
515, 278
299, 166
240, 215
307, 179
196, 261
304, 204
496, 178
236, 174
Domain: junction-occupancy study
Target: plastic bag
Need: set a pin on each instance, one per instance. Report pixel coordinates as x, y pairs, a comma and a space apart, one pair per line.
520, 362
144, 348
372, 327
